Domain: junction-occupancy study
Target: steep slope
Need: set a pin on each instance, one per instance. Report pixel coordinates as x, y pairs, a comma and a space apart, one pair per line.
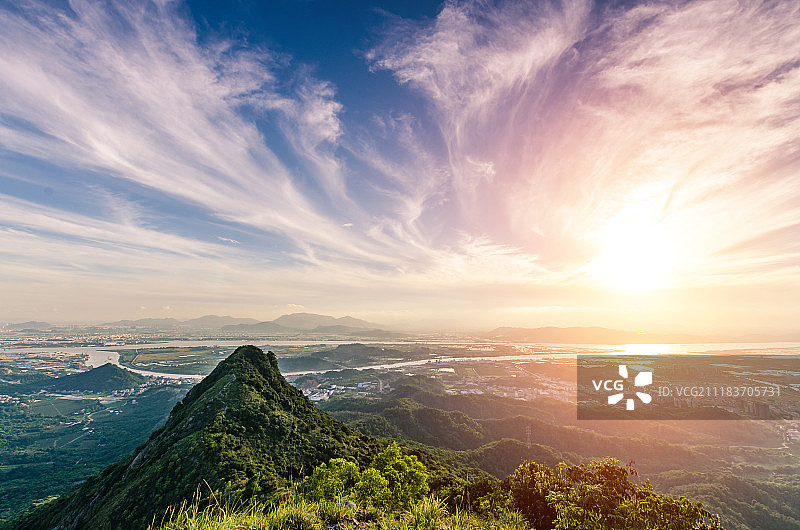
241, 428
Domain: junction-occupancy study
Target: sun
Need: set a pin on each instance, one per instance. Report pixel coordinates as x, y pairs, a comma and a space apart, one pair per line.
634, 257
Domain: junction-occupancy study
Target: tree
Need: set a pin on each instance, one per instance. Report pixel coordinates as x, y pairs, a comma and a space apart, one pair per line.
531, 483
330, 481
394, 481
600, 495
407, 477
372, 490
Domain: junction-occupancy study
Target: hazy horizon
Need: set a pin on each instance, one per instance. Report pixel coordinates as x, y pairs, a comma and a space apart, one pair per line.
787, 335
453, 165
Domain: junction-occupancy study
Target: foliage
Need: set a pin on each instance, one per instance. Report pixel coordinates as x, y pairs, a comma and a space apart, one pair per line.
427, 514
599, 495
531, 483
336, 511
372, 490
736, 469
394, 481
44, 450
330, 481
407, 478
297, 515
245, 434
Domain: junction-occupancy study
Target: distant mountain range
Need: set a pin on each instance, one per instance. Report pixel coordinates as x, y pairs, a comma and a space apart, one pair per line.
347, 326
286, 324
31, 324
312, 323
205, 322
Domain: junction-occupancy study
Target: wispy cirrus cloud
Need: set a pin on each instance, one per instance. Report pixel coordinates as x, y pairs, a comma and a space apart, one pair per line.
564, 119
125, 89
546, 130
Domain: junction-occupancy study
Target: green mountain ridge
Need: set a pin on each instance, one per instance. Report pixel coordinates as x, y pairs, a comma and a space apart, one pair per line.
242, 428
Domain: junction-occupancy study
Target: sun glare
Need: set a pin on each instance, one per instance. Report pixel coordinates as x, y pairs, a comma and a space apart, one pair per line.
634, 258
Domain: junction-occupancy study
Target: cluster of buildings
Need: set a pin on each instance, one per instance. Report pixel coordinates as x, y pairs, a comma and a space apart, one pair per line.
748, 407
362, 389
51, 363
8, 399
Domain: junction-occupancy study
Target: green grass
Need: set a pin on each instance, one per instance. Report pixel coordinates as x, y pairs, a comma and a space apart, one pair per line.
298, 514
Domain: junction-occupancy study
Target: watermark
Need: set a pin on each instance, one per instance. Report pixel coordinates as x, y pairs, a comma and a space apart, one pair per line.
688, 387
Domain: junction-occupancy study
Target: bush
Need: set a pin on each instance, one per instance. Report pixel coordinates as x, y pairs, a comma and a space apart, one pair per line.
394, 481
531, 483
407, 477
600, 495
372, 490
331, 481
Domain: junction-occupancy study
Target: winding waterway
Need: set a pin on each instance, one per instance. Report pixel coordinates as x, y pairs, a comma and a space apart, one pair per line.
99, 355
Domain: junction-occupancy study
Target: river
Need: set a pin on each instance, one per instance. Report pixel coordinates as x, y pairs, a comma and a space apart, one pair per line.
99, 355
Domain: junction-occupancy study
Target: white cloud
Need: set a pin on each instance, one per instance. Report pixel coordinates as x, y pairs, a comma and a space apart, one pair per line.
125, 89
561, 118
553, 121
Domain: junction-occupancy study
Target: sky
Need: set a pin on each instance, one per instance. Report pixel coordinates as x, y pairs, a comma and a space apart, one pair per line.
458, 165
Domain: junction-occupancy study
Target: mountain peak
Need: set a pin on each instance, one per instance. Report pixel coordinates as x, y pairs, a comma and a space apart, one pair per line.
252, 356
243, 428
249, 365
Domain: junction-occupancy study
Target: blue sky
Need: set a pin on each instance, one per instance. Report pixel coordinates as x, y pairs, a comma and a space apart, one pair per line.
457, 165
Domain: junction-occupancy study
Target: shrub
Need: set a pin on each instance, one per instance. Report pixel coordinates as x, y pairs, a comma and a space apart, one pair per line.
407, 477
330, 481
372, 490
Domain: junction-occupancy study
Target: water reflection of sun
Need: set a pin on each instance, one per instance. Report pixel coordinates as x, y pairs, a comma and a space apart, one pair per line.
647, 349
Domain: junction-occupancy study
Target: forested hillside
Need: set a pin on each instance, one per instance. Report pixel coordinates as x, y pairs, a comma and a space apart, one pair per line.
713, 462
244, 433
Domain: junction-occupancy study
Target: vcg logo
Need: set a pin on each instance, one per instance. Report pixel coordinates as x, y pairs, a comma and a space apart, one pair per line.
618, 385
